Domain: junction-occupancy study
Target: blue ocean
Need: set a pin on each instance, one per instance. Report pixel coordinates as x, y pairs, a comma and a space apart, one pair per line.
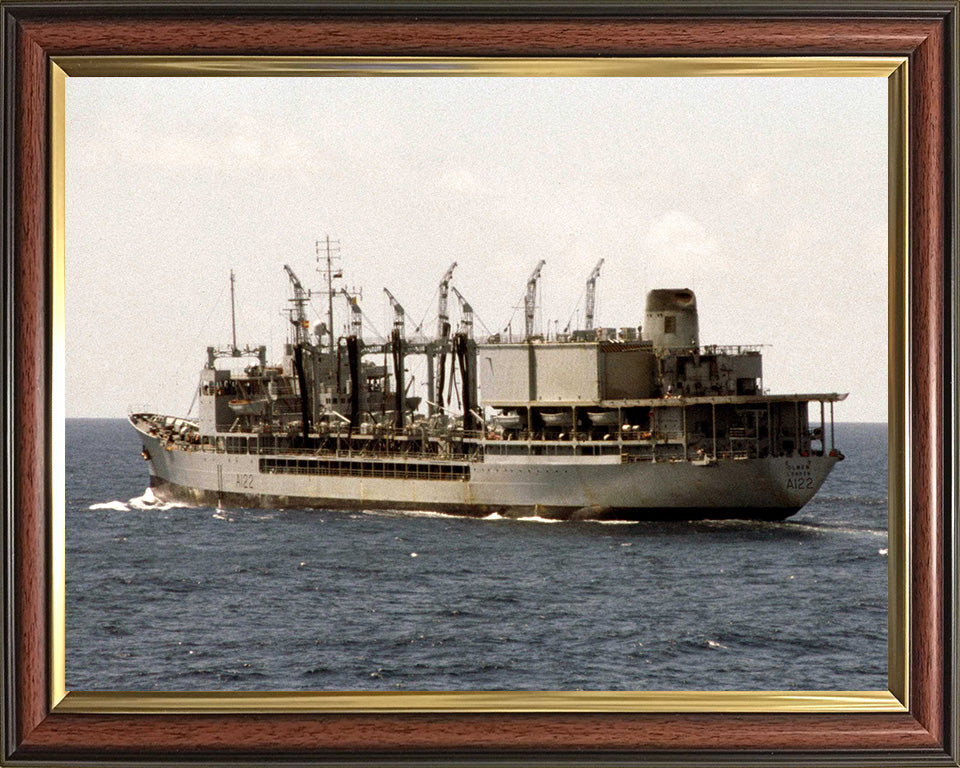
166, 597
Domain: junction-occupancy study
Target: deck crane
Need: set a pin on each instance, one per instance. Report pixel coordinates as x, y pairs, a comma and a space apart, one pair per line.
298, 315
354, 345
530, 298
442, 316
592, 295
397, 344
442, 342
399, 317
356, 315
466, 313
465, 350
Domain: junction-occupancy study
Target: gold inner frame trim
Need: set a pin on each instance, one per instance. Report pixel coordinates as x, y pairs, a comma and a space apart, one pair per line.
898, 363
58, 395
385, 702
893, 700
426, 66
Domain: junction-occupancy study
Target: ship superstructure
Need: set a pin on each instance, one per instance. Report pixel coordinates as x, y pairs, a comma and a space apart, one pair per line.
610, 423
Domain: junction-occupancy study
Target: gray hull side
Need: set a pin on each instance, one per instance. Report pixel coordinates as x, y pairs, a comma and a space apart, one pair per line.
770, 488
167, 491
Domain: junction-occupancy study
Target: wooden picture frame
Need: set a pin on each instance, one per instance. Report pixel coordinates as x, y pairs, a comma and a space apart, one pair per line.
37, 729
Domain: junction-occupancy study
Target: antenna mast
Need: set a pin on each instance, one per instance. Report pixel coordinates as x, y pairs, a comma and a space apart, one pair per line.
233, 314
592, 294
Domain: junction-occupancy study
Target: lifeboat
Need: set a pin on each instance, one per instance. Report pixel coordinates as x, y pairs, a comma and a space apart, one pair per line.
562, 419
603, 418
243, 407
507, 420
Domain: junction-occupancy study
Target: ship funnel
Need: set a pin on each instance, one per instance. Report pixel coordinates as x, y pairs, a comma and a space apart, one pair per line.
671, 318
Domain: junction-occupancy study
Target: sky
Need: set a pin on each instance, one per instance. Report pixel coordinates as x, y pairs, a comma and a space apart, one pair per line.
766, 196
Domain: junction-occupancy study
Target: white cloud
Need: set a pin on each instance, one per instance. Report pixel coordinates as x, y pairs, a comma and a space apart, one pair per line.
677, 235
459, 179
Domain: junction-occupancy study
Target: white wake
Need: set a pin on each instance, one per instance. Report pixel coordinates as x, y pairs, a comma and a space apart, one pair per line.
142, 503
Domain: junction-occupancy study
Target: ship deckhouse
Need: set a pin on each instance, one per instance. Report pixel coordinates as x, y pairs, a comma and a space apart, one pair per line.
653, 387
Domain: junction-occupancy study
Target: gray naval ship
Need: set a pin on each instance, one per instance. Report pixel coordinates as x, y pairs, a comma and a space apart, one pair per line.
596, 423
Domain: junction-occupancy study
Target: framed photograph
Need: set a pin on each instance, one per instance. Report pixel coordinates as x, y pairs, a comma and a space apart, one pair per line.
148, 148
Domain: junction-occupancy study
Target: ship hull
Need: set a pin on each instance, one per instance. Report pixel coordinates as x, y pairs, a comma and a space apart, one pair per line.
572, 488
167, 491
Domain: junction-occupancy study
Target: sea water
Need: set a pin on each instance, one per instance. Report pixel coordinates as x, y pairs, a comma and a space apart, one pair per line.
169, 597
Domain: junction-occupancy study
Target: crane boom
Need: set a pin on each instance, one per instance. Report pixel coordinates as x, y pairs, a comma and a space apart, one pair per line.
356, 315
297, 287
530, 299
592, 294
399, 317
298, 315
466, 312
442, 316
397, 352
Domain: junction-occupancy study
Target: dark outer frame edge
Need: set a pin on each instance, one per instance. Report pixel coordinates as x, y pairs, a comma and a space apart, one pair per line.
12, 10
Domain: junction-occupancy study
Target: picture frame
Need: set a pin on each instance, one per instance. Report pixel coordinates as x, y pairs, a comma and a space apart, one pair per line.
917, 722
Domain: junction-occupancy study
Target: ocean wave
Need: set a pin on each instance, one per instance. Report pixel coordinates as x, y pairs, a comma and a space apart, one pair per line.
863, 501
117, 506
834, 528
816, 527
